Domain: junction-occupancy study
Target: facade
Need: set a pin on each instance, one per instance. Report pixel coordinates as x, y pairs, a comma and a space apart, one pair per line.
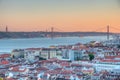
48, 53
107, 67
32, 54
73, 54
17, 53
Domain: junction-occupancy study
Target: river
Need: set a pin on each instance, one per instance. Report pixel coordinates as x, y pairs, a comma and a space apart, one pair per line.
7, 45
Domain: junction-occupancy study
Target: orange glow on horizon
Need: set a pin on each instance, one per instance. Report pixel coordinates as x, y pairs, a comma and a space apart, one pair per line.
68, 16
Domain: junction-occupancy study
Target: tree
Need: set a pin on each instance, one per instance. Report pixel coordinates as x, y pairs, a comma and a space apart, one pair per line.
78, 58
22, 56
13, 56
118, 46
1, 78
40, 58
91, 56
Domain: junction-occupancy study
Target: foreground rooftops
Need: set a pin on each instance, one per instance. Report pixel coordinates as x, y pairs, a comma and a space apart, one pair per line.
5, 55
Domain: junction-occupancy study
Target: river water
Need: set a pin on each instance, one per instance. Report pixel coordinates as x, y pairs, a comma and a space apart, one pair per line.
7, 45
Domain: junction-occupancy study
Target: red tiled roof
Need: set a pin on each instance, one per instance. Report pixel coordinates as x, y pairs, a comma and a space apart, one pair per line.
53, 72
46, 61
112, 57
58, 69
4, 55
3, 62
80, 76
42, 69
77, 65
66, 72
65, 64
40, 79
109, 57
87, 71
33, 49
117, 56
17, 69
110, 60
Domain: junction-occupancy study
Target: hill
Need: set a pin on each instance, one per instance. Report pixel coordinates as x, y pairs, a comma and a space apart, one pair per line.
48, 34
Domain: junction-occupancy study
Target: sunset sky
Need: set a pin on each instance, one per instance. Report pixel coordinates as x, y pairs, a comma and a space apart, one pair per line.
64, 15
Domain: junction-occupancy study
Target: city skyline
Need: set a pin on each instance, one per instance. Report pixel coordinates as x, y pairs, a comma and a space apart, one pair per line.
67, 15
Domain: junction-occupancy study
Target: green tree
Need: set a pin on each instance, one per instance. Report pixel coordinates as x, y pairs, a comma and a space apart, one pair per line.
13, 56
40, 58
1, 78
22, 56
118, 46
78, 58
91, 56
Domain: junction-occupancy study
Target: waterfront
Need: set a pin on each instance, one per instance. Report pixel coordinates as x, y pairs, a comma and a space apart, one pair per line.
7, 45
90, 61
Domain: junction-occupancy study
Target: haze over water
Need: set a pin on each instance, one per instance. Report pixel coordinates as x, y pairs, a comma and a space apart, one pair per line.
7, 45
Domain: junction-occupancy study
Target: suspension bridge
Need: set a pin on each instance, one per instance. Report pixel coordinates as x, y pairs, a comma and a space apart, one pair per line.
53, 31
109, 30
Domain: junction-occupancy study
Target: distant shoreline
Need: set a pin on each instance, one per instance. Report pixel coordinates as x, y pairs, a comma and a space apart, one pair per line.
17, 35
7, 45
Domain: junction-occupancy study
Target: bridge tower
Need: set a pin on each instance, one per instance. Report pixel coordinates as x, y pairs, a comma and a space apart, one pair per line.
52, 32
108, 32
6, 29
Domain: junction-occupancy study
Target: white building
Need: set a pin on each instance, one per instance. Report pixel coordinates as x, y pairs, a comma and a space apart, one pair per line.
100, 66
32, 54
48, 53
107, 67
73, 54
17, 53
